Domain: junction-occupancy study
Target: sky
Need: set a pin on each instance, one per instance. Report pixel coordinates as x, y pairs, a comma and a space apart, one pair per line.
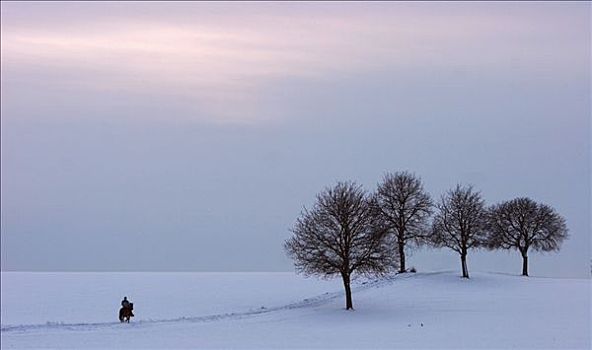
188, 136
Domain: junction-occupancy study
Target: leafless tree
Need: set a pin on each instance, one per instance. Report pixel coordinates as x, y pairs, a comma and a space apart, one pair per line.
524, 224
405, 208
341, 235
460, 222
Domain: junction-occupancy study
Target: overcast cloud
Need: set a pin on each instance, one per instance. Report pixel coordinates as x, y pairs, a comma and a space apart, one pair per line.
188, 136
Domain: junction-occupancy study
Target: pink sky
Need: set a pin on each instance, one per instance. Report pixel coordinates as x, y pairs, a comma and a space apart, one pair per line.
198, 130
225, 58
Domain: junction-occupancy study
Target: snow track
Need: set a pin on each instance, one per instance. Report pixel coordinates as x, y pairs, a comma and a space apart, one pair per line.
361, 285
423, 310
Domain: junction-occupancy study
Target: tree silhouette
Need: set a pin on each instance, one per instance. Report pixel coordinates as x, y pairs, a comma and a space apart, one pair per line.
341, 235
405, 208
524, 224
460, 222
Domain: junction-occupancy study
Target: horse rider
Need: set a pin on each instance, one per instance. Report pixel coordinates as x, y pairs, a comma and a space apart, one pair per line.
125, 303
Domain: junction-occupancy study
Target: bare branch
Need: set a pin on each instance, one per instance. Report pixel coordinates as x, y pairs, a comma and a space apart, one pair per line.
341, 234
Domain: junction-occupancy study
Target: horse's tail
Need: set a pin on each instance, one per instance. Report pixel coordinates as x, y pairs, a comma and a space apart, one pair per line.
121, 315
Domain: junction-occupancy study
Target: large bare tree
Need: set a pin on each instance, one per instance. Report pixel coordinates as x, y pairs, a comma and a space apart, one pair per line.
341, 235
524, 224
405, 208
460, 222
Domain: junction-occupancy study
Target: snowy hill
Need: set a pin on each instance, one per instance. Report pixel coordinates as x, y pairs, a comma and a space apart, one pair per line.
281, 310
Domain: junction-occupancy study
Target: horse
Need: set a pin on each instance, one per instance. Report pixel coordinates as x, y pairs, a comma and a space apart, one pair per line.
125, 313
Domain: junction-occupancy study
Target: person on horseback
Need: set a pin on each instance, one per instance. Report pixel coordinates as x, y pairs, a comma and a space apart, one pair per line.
126, 310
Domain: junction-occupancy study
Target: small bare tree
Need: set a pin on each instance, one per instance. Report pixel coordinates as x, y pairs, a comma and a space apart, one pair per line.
405, 208
341, 235
524, 224
460, 222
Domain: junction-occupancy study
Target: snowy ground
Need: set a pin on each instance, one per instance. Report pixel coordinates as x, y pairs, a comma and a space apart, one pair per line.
281, 310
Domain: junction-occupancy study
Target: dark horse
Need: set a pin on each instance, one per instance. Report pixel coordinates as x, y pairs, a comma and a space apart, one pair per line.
125, 313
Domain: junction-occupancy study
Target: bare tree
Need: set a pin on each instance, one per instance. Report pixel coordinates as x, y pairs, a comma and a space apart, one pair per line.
341, 235
405, 208
524, 224
460, 222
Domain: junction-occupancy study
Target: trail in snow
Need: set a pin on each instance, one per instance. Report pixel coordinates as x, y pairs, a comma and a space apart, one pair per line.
305, 303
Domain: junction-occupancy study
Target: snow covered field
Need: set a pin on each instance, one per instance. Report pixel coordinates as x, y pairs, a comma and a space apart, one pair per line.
281, 310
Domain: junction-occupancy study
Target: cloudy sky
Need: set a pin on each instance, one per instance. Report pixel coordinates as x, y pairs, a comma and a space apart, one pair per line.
188, 136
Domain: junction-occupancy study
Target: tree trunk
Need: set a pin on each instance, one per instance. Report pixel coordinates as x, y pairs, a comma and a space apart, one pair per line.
463, 260
524, 264
348, 296
402, 256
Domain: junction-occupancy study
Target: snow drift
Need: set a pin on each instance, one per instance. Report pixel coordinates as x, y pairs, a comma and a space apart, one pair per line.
281, 310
